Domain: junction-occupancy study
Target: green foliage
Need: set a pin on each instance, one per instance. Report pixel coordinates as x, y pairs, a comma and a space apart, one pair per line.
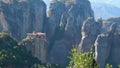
13, 55
82, 60
46, 66
16, 56
23, 42
108, 66
38, 66
119, 66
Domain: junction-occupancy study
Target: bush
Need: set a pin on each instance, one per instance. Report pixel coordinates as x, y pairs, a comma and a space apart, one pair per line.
12, 55
82, 60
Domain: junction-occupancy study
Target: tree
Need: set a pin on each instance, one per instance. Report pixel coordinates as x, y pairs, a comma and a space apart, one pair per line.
12, 55
82, 60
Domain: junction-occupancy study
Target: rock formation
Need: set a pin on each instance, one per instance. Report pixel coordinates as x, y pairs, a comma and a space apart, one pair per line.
36, 43
69, 25
90, 31
107, 45
73, 19
55, 12
102, 50
23, 16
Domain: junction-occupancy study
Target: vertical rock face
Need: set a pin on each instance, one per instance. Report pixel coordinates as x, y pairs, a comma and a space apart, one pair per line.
70, 20
3, 23
55, 12
107, 45
115, 47
23, 16
73, 19
36, 44
67, 24
90, 31
102, 49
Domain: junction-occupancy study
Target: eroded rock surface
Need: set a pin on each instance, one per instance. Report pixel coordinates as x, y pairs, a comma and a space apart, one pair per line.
22, 16
55, 12
90, 31
73, 19
70, 24
107, 46
36, 43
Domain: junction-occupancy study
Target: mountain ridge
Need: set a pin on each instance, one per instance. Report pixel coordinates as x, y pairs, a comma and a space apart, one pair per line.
105, 10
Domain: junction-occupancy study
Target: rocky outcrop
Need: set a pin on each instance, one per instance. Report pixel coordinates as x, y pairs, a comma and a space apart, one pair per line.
55, 12
73, 19
115, 47
67, 24
36, 43
23, 16
60, 52
102, 50
107, 45
90, 31
70, 24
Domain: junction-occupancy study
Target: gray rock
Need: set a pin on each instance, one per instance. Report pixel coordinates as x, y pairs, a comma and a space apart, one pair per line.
73, 19
55, 12
107, 47
102, 50
70, 22
107, 24
115, 48
36, 43
90, 31
21, 17
60, 52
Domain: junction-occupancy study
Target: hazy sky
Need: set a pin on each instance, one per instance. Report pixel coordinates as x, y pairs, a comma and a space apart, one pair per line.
112, 2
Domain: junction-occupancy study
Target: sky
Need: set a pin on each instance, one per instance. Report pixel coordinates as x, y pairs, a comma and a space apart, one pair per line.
112, 2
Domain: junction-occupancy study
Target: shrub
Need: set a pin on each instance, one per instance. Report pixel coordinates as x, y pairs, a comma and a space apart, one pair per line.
82, 60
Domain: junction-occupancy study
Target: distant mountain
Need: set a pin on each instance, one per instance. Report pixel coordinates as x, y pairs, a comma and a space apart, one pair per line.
105, 10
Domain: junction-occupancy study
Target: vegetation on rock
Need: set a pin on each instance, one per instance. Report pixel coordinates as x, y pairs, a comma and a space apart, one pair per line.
82, 60
14, 55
